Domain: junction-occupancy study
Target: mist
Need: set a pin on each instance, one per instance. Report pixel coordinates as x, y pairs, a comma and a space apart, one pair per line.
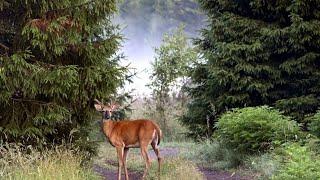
143, 28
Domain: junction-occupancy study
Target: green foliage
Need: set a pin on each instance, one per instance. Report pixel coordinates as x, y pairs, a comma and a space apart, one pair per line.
257, 53
298, 163
314, 125
255, 129
169, 70
55, 58
172, 60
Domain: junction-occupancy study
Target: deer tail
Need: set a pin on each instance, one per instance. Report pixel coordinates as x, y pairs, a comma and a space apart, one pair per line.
159, 132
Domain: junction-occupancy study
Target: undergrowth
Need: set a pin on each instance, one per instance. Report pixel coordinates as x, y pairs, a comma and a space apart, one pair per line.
52, 164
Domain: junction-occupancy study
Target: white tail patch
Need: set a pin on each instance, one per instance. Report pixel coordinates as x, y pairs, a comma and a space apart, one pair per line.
155, 137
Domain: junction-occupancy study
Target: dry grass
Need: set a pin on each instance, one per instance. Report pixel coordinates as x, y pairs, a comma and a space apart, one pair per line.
28, 164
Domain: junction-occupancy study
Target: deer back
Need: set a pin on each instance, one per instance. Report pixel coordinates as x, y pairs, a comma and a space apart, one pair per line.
131, 133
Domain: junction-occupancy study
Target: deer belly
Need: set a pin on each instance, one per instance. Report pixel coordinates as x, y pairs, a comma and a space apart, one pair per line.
135, 145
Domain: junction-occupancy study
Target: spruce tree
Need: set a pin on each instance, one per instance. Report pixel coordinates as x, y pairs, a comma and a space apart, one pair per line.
56, 57
257, 52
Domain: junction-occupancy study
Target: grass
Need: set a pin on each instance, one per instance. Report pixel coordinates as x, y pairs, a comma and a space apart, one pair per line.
172, 168
209, 154
54, 164
176, 168
264, 165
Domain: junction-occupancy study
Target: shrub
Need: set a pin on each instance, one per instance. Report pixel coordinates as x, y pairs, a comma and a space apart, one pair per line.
255, 129
299, 162
314, 125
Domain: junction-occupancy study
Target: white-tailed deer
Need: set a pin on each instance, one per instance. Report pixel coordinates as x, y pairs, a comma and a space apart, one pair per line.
127, 134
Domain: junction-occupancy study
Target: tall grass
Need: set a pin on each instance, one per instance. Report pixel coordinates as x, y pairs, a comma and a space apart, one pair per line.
54, 164
212, 154
263, 165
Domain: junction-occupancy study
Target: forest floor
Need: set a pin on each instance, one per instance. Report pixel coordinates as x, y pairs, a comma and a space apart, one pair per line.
107, 167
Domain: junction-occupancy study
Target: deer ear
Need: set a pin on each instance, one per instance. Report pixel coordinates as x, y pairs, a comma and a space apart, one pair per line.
98, 107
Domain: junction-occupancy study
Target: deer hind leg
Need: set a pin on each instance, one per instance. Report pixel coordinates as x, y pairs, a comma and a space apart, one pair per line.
126, 150
144, 153
157, 152
120, 160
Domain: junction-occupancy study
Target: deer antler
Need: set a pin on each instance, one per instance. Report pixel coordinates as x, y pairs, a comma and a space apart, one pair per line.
96, 100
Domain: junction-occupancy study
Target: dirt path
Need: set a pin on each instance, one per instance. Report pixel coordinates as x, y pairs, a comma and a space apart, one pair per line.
221, 175
111, 175
209, 174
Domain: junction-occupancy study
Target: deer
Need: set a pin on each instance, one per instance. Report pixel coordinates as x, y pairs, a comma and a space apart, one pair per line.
126, 134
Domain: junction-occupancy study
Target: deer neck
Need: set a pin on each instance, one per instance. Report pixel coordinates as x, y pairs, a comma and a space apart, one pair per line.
107, 126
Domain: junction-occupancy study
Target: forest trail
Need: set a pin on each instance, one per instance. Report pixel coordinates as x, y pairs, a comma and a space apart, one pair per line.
166, 152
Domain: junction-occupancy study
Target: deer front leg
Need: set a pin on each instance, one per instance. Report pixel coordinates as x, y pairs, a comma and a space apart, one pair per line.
126, 150
145, 156
120, 161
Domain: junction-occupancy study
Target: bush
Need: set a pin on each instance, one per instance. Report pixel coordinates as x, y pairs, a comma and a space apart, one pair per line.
314, 125
299, 162
255, 129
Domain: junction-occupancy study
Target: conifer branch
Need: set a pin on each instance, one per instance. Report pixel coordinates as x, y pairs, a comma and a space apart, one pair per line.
72, 7
33, 101
6, 48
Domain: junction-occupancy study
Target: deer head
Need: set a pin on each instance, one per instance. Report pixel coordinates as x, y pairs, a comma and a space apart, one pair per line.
107, 110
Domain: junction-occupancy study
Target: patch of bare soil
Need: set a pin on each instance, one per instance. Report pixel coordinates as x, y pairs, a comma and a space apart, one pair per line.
110, 174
